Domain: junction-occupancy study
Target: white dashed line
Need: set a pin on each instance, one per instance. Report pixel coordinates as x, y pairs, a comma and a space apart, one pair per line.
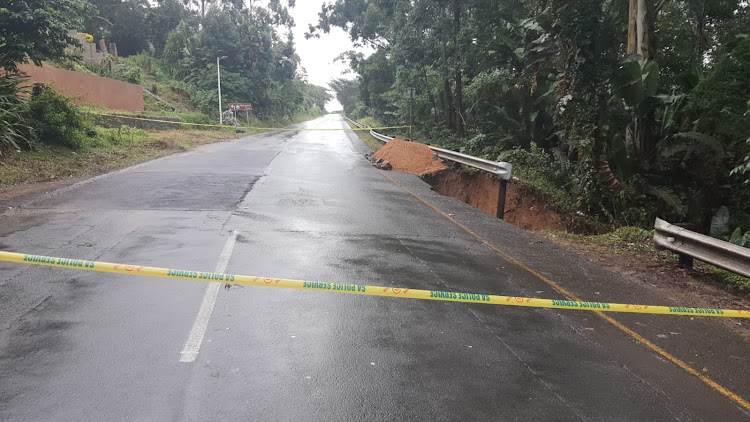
192, 346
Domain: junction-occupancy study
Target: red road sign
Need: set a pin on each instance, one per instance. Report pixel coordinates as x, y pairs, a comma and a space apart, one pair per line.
240, 107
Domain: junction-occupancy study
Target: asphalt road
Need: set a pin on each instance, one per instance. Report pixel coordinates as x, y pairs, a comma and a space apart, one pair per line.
79, 346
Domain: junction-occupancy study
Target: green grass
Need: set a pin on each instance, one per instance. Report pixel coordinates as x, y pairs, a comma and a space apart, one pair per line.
620, 240
638, 243
152, 104
184, 116
195, 117
368, 139
111, 137
110, 149
561, 198
176, 93
368, 121
365, 136
727, 276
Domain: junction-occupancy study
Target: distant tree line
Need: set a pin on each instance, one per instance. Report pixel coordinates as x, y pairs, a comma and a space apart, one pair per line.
259, 66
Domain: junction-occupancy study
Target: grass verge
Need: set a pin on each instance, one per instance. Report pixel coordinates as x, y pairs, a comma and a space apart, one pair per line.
113, 151
365, 136
637, 244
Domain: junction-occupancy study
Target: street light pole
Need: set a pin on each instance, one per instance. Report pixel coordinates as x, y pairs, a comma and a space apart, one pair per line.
218, 82
411, 91
411, 118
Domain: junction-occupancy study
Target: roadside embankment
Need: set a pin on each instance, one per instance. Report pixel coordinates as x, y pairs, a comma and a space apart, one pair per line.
50, 167
530, 208
525, 207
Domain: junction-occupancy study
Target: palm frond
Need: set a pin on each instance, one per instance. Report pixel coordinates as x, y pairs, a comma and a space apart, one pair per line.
668, 196
13, 131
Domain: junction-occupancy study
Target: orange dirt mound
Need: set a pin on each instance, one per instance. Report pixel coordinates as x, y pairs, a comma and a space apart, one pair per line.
410, 157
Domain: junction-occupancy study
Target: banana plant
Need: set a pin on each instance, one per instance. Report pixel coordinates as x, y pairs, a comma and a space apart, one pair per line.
636, 83
744, 167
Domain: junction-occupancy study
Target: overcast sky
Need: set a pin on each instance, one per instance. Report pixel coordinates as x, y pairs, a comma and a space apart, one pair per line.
317, 54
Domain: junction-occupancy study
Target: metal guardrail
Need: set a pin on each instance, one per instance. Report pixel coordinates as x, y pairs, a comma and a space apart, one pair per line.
379, 136
354, 123
499, 168
704, 248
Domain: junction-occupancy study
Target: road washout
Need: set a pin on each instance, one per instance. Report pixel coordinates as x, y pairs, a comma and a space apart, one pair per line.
528, 208
525, 207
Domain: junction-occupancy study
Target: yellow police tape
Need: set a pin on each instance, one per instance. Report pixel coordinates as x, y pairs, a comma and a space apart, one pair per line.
243, 127
360, 289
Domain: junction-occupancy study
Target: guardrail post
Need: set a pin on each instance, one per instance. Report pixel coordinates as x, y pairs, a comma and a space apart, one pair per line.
686, 260
501, 199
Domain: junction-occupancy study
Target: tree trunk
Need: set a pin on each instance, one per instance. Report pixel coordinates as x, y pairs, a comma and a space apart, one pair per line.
459, 73
459, 105
700, 30
448, 105
641, 29
642, 41
432, 97
632, 24
527, 108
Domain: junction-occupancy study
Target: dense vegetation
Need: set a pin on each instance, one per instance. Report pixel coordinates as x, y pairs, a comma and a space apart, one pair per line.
258, 66
630, 109
169, 42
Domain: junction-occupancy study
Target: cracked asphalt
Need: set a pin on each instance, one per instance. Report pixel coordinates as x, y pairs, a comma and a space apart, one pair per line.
80, 346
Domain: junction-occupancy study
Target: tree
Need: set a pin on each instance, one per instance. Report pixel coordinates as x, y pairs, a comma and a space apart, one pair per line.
123, 22
37, 30
260, 66
347, 93
164, 18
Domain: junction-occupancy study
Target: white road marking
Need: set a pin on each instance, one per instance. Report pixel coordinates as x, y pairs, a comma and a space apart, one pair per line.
192, 346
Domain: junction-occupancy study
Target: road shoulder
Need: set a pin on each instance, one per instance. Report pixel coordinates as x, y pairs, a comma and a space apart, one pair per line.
708, 346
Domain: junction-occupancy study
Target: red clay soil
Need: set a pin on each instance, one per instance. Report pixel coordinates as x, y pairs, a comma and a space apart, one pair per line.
410, 157
524, 207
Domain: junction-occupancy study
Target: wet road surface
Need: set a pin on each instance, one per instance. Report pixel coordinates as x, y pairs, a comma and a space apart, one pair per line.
89, 346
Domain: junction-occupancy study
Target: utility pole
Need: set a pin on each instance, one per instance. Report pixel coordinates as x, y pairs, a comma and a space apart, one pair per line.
218, 82
411, 119
411, 112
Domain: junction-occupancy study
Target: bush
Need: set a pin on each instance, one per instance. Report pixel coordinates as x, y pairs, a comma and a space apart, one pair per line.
132, 75
123, 135
552, 173
56, 121
103, 68
14, 133
739, 239
206, 100
199, 119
